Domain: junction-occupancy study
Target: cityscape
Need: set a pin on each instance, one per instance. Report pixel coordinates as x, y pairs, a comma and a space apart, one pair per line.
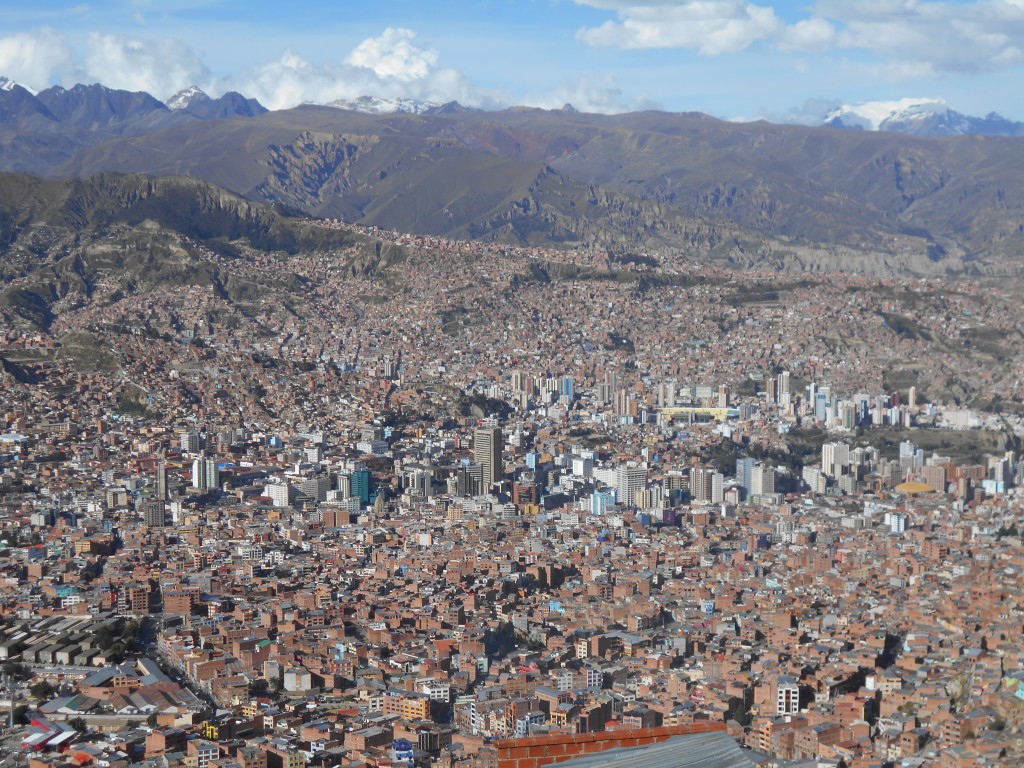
478, 384
490, 496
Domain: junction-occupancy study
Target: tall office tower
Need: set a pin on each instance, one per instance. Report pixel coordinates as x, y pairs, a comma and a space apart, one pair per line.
362, 485
771, 391
469, 480
847, 414
723, 395
744, 474
821, 407
161, 480
912, 398
518, 382
568, 387
153, 513
191, 442
910, 456
762, 480
205, 474
783, 381
630, 479
702, 483
487, 445
835, 458
717, 488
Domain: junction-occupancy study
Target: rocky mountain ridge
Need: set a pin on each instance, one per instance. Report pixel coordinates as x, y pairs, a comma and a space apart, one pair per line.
790, 196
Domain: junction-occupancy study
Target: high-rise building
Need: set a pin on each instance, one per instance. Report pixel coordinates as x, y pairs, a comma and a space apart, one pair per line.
161, 480
821, 406
702, 483
630, 478
279, 493
362, 485
153, 513
568, 387
205, 473
744, 474
316, 488
190, 442
487, 445
783, 382
518, 382
717, 487
762, 480
835, 458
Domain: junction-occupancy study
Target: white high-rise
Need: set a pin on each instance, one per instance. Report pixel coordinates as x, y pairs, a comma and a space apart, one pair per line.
205, 473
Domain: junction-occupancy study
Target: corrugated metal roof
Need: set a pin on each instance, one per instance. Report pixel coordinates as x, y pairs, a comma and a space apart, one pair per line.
695, 750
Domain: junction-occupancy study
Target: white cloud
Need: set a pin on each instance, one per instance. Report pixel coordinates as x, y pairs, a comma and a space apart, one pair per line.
388, 66
33, 59
393, 66
393, 55
160, 67
709, 26
808, 35
932, 37
40, 58
906, 37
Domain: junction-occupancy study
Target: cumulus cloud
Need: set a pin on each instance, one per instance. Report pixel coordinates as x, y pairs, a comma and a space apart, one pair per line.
906, 37
160, 67
708, 26
808, 35
394, 55
391, 65
34, 59
40, 58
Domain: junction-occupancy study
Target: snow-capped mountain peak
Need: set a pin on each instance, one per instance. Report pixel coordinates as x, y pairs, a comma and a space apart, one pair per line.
380, 106
919, 117
6, 84
873, 115
183, 98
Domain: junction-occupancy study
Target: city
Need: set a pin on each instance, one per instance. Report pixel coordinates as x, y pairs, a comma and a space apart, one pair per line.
423, 510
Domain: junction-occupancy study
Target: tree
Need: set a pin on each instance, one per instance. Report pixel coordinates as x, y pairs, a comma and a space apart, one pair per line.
79, 724
17, 671
103, 638
42, 691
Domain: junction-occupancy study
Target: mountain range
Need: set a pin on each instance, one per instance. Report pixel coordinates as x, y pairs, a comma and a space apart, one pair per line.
40, 131
919, 117
751, 194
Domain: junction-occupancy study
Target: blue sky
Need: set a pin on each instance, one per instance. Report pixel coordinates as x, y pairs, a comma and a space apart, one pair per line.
736, 59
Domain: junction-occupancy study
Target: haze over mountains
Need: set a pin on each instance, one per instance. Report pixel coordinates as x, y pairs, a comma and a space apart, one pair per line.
751, 194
